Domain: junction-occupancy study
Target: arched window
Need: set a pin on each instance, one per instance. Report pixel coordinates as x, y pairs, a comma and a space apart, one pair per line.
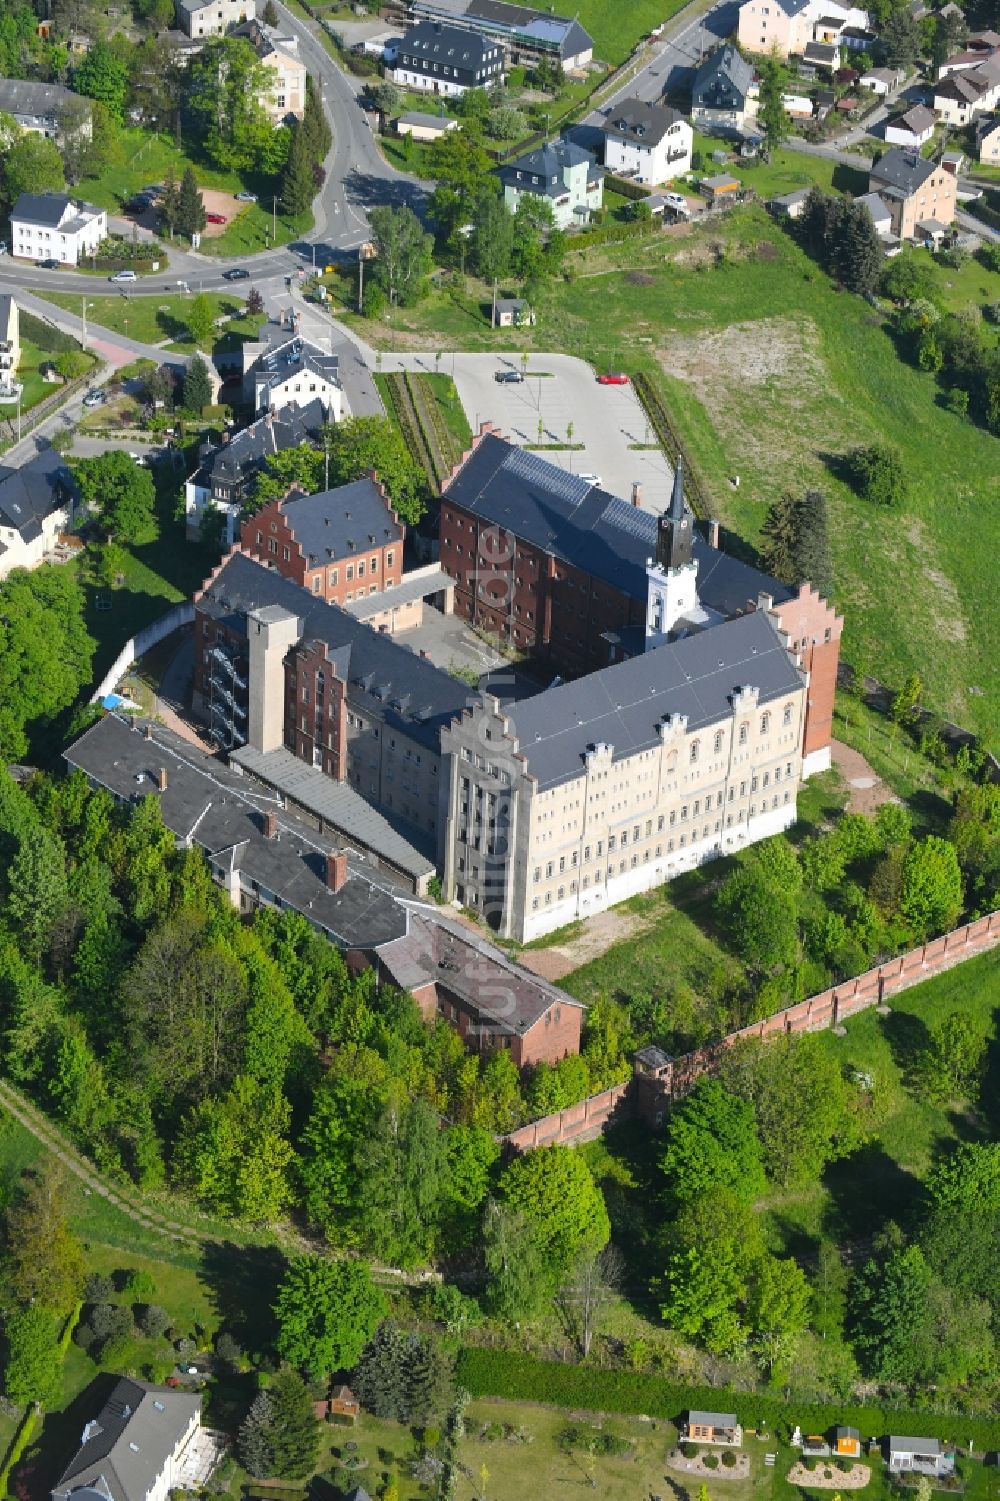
695, 748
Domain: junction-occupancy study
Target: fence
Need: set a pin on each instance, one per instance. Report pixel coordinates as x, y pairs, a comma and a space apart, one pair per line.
135, 646
647, 1096
37, 414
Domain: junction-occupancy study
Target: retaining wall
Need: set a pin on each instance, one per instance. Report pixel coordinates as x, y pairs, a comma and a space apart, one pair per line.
647, 1096
142, 641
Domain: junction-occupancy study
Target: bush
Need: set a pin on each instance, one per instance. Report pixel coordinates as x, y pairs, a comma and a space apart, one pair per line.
227, 1349
153, 1320
689, 1450
710, 1461
728, 1459
98, 1288
877, 474
46, 338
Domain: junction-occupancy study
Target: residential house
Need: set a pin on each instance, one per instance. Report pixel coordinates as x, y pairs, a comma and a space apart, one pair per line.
960, 97
344, 1404
40, 108
560, 172
424, 127
205, 18
278, 51
912, 189
980, 47
527, 35
882, 81
648, 141
798, 106
720, 189
847, 1443
36, 503
291, 371
10, 348
824, 56
789, 26
912, 129
438, 59
53, 226
791, 205
881, 217
491, 1002
225, 473
724, 94
927, 1456
135, 1447
340, 544
572, 552
988, 140
713, 1428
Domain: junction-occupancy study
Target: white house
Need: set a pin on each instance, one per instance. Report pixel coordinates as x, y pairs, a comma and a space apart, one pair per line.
199, 18
294, 371
650, 141
881, 217
40, 108
913, 130
882, 81
961, 96
560, 172
135, 1448
10, 348
790, 26
53, 226
447, 60
988, 140
36, 504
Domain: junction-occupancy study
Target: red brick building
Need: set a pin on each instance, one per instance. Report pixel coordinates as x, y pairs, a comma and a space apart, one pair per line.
491, 1002
559, 569
340, 544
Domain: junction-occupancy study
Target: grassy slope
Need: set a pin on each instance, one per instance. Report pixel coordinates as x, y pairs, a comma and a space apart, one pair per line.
159, 319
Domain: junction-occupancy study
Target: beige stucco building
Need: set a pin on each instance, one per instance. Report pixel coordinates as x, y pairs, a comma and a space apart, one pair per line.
279, 53
567, 804
203, 18
914, 190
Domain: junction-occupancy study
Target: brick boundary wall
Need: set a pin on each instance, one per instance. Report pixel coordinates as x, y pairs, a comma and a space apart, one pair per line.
589, 1118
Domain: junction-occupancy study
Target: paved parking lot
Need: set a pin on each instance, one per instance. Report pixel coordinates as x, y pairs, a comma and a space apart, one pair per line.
559, 390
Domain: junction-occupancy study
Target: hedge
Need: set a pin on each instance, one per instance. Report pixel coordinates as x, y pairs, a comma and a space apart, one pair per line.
42, 334
523, 1378
19, 1443
624, 187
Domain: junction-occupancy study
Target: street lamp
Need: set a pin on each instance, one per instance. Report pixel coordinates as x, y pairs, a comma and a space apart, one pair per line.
84, 305
274, 219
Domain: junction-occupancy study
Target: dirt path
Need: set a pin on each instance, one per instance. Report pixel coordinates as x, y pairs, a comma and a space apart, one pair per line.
867, 791
599, 934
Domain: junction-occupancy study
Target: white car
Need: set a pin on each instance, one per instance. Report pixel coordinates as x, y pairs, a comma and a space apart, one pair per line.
123, 276
677, 202
591, 479
94, 399
245, 197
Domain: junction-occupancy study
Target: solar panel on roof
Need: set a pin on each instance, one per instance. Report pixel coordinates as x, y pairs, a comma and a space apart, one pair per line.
555, 481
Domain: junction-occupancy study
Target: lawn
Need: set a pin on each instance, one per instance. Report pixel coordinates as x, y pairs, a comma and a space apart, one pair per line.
771, 375
148, 158
256, 228
35, 388
162, 320
617, 28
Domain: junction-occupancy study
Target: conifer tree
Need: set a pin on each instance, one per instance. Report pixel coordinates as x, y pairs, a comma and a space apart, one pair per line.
254, 1440
294, 1438
812, 557
777, 538
297, 184
190, 218
197, 385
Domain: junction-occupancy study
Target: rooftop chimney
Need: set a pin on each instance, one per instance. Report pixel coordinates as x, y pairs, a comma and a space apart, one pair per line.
270, 825
636, 493
713, 534
161, 779
336, 870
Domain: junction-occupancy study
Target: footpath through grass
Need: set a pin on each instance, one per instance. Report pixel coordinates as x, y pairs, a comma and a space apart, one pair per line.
161, 319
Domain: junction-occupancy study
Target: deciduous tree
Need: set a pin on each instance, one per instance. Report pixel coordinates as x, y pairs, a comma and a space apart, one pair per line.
712, 1142
360, 445
326, 1312
45, 1262
103, 74
121, 494
554, 1190
403, 253
31, 165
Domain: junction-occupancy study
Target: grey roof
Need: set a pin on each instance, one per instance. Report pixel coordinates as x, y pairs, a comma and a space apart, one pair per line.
279, 362
419, 117
222, 812
233, 462
586, 526
902, 169
434, 41
568, 35
636, 119
875, 206
492, 987
20, 98
713, 1419
826, 54
343, 522
789, 200
386, 680
624, 705
29, 494
127, 1444
725, 67
721, 180
546, 164
41, 208
410, 587
396, 840
901, 1444
917, 119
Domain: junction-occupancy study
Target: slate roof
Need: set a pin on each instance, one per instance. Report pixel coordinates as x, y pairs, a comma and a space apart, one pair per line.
20, 98
902, 169
420, 118
569, 36
901, 1444
222, 812
876, 207
280, 362
343, 522
508, 999
624, 705
385, 679
713, 1419
41, 208
233, 462
29, 494
127, 1445
635, 119
918, 119
728, 66
547, 164
433, 41
589, 528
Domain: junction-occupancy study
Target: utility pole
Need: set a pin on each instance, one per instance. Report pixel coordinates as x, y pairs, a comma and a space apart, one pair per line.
361, 278
274, 219
83, 316
494, 320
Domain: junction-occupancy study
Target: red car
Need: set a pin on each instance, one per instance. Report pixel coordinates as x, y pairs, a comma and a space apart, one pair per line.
613, 378
215, 218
